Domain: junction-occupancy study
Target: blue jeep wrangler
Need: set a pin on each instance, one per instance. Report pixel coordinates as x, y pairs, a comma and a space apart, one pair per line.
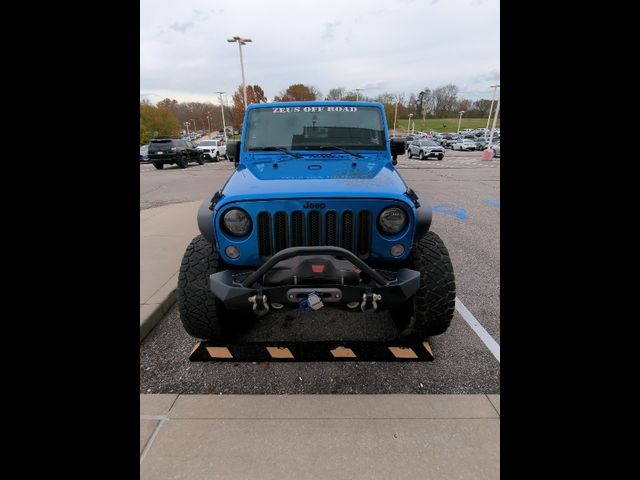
316, 215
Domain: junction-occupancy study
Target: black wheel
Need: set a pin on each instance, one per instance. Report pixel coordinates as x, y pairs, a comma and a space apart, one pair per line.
217, 159
200, 159
421, 157
183, 162
158, 165
440, 157
430, 310
202, 314
410, 155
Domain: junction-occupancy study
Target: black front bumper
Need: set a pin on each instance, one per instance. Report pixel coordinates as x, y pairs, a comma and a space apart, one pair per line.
235, 289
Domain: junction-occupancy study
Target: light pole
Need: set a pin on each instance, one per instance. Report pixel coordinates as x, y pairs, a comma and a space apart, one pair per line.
494, 123
358, 90
409, 127
495, 87
187, 125
195, 127
209, 120
241, 41
224, 127
460, 121
395, 117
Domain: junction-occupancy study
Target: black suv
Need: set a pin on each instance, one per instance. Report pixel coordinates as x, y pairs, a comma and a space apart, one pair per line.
173, 151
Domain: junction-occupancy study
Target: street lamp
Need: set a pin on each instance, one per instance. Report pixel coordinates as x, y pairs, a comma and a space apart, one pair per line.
409, 127
209, 120
224, 126
395, 117
460, 121
241, 41
495, 87
187, 125
358, 90
493, 127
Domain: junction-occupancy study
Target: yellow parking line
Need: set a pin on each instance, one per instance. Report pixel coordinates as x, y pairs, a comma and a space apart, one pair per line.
403, 352
219, 352
343, 352
279, 352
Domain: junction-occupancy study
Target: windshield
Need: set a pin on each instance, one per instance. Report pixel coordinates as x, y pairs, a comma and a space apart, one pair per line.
307, 127
208, 143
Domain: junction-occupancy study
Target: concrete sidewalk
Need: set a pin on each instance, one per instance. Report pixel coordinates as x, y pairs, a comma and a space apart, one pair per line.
320, 436
165, 233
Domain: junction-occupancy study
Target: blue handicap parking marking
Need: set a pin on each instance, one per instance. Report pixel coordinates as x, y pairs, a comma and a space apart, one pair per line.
493, 203
448, 209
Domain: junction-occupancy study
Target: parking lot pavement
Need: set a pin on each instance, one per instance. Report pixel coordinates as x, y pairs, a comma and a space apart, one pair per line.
464, 193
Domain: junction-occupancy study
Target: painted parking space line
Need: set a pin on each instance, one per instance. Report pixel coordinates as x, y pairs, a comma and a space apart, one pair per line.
487, 339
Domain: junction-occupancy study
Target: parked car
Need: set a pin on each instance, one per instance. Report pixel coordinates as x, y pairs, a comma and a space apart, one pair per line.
426, 149
496, 149
352, 235
213, 149
144, 153
173, 151
465, 144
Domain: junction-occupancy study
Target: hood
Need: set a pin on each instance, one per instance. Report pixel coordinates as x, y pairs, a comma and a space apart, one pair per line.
326, 175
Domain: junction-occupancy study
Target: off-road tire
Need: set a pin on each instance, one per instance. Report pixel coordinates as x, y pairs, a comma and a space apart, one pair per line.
200, 159
158, 165
440, 157
202, 314
183, 162
217, 159
430, 310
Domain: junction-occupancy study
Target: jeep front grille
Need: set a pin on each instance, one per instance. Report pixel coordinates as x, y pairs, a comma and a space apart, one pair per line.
347, 229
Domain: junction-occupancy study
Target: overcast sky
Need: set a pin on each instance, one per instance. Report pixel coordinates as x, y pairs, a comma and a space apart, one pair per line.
397, 46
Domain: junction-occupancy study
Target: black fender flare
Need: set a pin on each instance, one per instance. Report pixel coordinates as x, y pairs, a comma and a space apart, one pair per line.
205, 221
423, 220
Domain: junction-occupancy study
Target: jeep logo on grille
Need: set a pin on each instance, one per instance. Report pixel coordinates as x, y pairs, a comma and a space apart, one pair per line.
318, 206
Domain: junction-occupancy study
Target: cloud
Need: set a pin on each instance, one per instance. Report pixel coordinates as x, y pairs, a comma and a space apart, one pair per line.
490, 76
329, 32
181, 27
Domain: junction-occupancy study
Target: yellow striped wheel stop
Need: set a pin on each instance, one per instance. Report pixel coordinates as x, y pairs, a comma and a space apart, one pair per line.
333, 351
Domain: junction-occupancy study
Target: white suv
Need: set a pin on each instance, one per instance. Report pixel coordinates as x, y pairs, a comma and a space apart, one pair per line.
213, 149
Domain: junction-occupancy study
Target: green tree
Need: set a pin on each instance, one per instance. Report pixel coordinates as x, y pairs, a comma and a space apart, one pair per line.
156, 121
298, 92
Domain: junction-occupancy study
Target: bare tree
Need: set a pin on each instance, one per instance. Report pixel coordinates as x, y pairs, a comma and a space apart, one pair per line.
335, 94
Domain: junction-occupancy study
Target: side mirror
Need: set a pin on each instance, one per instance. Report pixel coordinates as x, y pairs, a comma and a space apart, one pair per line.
398, 147
233, 151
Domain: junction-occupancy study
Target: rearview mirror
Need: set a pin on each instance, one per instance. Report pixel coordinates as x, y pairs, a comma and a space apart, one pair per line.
398, 147
233, 151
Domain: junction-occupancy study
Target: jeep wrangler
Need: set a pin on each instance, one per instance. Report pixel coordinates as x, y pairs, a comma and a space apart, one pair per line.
316, 215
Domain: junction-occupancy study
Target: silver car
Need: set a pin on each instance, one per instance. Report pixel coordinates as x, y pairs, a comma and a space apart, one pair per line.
465, 144
496, 149
425, 149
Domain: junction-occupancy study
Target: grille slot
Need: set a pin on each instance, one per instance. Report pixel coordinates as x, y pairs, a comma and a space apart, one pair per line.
297, 229
264, 234
347, 231
281, 231
364, 234
332, 233
314, 229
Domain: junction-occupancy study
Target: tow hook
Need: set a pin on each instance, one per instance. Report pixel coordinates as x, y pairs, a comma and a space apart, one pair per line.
370, 298
260, 305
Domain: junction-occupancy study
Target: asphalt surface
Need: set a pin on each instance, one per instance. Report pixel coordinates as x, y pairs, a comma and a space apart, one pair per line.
464, 193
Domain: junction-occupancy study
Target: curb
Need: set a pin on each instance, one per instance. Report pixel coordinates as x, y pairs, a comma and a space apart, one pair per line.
149, 318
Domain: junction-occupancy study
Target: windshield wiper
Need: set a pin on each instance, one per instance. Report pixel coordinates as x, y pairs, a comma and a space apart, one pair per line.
333, 147
274, 149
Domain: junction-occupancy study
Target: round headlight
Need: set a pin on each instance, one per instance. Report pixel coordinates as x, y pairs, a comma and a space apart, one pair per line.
392, 220
237, 222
